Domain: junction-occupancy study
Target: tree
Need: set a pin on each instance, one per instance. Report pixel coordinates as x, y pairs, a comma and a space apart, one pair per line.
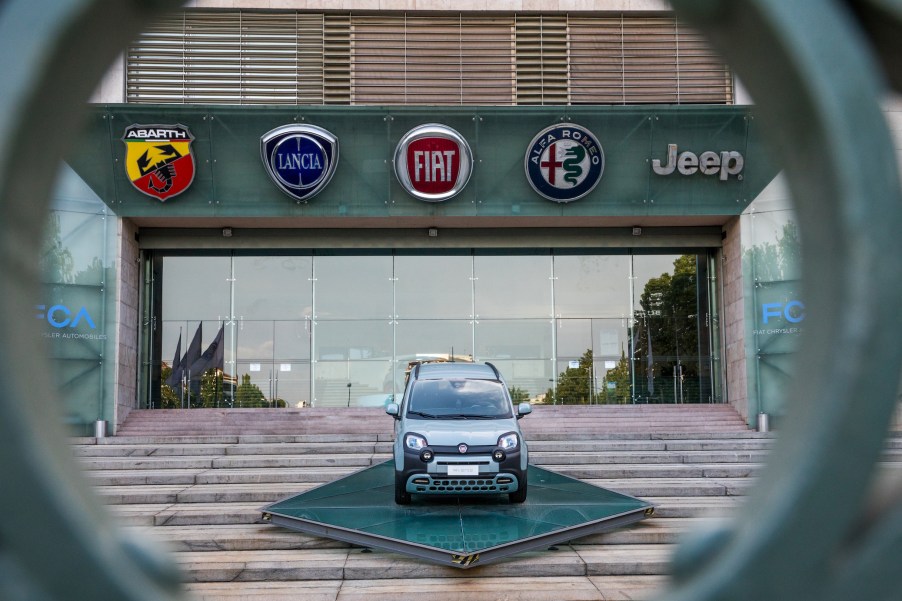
211, 388
248, 394
169, 398
615, 385
518, 395
57, 264
574, 385
665, 335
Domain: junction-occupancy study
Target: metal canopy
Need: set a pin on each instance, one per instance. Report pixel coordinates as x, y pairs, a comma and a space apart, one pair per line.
456, 531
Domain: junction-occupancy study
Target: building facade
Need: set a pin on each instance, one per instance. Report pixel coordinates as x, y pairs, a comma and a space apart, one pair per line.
279, 206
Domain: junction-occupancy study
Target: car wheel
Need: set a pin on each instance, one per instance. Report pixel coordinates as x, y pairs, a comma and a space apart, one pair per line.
520, 495
402, 497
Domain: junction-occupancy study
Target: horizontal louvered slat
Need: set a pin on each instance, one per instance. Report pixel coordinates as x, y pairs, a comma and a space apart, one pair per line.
635, 60
295, 57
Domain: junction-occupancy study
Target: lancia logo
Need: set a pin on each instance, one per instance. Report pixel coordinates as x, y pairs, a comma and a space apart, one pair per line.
300, 159
462, 448
433, 162
564, 162
158, 159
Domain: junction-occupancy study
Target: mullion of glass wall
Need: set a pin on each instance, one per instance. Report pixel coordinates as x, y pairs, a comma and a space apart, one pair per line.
341, 330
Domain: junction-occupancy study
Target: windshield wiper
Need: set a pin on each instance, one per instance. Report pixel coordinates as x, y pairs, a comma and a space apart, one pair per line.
469, 416
421, 414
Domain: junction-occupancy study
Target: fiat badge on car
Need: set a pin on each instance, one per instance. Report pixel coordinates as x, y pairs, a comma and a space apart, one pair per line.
433, 162
300, 159
462, 448
564, 162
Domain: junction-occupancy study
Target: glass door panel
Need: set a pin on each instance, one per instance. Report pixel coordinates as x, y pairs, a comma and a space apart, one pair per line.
512, 286
591, 285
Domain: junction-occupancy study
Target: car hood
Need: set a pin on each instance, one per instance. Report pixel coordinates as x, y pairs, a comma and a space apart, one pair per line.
451, 432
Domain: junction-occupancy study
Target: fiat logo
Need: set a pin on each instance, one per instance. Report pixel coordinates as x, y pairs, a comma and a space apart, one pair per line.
462, 448
433, 162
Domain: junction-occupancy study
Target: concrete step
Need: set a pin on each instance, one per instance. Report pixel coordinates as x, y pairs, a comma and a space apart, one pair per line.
259, 537
203, 494
360, 564
522, 588
356, 420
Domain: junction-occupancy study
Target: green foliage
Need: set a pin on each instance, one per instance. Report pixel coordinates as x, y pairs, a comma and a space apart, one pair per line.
615, 386
574, 385
666, 331
518, 395
169, 398
248, 394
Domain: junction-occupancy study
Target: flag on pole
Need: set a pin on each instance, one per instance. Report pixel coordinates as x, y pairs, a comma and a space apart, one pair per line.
175, 378
190, 359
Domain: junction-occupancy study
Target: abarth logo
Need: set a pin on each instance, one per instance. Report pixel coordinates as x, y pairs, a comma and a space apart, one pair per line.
158, 159
433, 162
564, 162
300, 159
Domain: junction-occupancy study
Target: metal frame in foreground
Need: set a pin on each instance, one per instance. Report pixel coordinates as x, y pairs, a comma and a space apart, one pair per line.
461, 532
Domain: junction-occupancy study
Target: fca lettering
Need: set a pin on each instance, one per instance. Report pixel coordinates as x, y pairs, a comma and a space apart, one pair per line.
60, 316
769, 310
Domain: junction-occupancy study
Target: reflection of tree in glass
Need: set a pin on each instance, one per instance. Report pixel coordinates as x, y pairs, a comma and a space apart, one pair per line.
665, 336
169, 397
574, 385
778, 261
518, 395
615, 386
249, 395
56, 260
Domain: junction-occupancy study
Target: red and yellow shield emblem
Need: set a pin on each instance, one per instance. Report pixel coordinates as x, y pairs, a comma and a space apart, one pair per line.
158, 159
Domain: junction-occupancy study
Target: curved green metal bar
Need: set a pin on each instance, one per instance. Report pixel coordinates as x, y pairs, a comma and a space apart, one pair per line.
55, 539
801, 534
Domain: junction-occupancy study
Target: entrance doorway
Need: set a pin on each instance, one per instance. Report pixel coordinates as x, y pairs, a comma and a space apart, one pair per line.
334, 329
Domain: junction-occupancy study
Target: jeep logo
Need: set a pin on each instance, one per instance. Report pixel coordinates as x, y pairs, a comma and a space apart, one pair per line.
726, 163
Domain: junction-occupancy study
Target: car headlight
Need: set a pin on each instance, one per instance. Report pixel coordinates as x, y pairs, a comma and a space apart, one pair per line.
509, 441
414, 441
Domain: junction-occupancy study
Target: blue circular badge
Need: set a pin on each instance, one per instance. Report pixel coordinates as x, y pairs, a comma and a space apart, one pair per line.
300, 159
564, 162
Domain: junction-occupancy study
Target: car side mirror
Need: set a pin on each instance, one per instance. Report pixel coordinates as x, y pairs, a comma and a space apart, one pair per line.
393, 410
523, 409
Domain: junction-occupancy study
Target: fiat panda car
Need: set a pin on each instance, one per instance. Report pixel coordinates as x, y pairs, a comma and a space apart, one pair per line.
456, 433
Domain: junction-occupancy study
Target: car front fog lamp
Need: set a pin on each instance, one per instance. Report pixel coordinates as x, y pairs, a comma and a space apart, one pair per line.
414, 442
499, 455
509, 441
426, 455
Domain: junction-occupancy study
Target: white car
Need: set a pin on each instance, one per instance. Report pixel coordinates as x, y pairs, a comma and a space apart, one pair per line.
456, 433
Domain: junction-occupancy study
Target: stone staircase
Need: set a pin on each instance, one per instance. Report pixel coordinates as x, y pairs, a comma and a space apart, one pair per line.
199, 488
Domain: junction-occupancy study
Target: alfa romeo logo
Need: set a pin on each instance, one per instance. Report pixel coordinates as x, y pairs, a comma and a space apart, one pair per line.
158, 159
433, 162
564, 162
300, 159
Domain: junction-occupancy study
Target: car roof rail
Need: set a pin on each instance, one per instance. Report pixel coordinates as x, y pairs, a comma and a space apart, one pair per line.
494, 369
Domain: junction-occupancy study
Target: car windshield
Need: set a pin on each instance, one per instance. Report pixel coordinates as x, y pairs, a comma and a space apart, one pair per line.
458, 399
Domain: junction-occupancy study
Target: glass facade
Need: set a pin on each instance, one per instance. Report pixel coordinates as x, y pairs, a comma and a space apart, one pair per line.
333, 329
77, 307
775, 311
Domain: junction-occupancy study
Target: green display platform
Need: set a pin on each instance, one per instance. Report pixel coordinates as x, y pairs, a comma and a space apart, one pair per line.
455, 531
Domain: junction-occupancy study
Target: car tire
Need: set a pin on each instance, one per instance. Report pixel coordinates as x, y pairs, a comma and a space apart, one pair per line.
402, 497
520, 495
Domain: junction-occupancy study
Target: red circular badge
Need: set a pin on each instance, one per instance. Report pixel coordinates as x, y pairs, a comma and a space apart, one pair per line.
433, 162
